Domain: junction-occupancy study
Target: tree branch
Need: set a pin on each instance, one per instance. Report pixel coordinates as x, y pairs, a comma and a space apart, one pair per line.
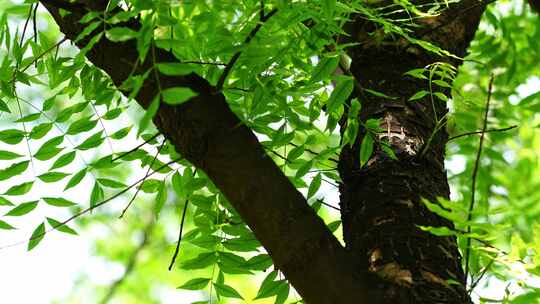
481, 132
298, 241
474, 174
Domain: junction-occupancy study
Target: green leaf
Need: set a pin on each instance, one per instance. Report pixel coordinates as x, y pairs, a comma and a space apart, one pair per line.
174, 68
5, 226
58, 201
4, 107
195, 284
203, 260
87, 30
295, 153
19, 189
82, 125
112, 114
148, 115
29, 117
314, 186
441, 96
150, 185
97, 195
268, 281
22, 209
161, 199
51, 177
206, 241
259, 262
270, 289
119, 34
366, 149
61, 227
387, 148
121, 133
333, 226
111, 183
76, 179
40, 130
325, 67
49, 149
379, 94
341, 92
13, 170
242, 244
37, 236
91, 142
5, 202
416, 73
89, 17
418, 95
146, 33
104, 163
11, 136
226, 291
177, 95
63, 160
282, 294
48, 103
8, 155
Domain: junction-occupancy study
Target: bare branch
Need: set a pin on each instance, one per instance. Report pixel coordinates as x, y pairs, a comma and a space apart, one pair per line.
177, 249
481, 132
474, 175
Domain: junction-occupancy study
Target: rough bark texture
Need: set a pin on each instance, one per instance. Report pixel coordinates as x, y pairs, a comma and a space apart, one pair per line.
381, 202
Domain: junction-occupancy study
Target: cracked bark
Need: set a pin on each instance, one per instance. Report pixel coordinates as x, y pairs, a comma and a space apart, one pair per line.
380, 202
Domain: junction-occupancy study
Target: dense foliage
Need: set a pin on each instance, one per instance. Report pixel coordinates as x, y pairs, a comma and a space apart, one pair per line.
71, 142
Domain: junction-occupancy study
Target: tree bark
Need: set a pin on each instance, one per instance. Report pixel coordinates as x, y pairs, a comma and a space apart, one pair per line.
381, 202
387, 258
208, 134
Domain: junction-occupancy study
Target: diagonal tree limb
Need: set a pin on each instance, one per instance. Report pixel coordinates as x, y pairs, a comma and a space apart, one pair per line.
298, 241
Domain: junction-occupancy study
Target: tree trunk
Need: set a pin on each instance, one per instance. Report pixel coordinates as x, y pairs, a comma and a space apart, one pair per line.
381, 201
387, 258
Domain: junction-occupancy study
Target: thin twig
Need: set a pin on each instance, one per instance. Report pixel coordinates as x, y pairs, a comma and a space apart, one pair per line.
474, 175
328, 205
203, 62
235, 57
131, 263
329, 182
103, 127
137, 147
315, 153
34, 22
480, 132
26, 24
484, 271
83, 212
177, 249
43, 54
15, 90
139, 188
